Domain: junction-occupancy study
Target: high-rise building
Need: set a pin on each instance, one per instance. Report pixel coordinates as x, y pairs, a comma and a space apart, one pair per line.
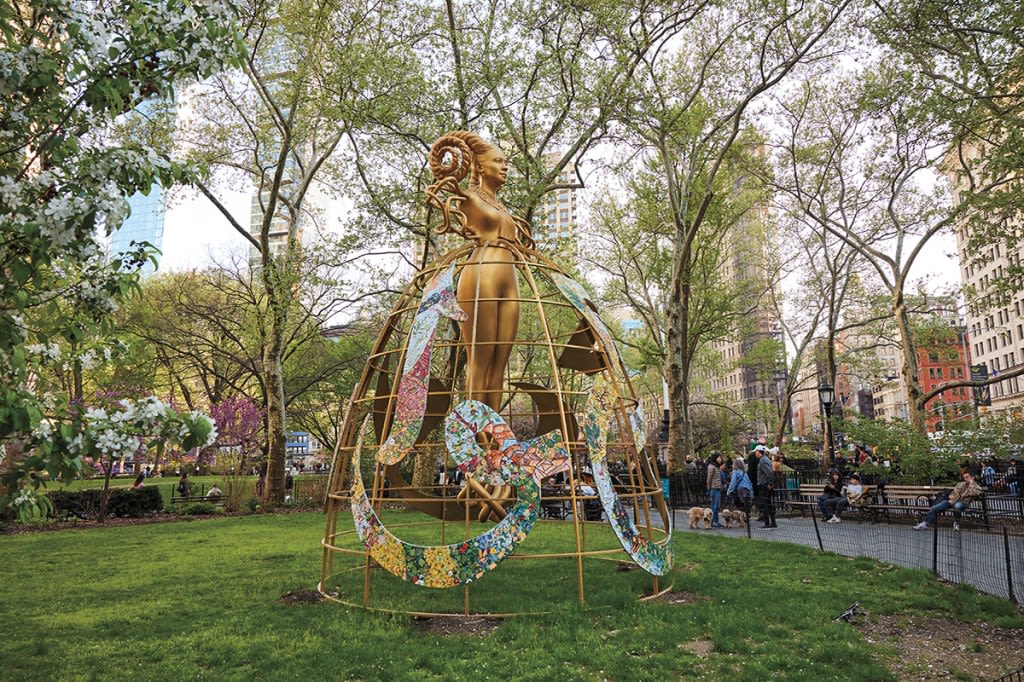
742, 378
144, 224
557, 215
995, 332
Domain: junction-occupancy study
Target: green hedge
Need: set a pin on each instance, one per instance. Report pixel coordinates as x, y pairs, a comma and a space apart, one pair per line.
123, 502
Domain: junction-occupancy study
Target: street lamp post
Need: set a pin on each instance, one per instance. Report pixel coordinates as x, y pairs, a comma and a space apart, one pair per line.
827, 396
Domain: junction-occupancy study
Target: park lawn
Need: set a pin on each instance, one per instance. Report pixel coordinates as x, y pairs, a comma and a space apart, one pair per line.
200, 600
167, 484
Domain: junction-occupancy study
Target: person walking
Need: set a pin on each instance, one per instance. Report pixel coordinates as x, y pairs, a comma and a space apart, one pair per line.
713, 484
752, 471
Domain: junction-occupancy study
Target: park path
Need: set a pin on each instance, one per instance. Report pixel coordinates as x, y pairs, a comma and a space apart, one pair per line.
973, 556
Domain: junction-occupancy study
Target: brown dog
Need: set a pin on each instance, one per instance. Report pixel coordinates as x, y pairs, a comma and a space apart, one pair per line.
707, 518
740, 517
695, 514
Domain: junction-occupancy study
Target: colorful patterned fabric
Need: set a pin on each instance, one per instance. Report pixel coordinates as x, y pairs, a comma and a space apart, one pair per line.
652, 557
438, 299
521, 464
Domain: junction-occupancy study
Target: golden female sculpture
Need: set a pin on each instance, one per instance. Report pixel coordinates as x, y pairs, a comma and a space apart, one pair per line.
488, 288
584, 413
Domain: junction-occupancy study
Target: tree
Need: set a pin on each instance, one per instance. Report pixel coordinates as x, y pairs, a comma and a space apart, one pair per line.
322, 377
962, 66
688, 114
208, 328
309, 75
859, 167
632, 243
72, 70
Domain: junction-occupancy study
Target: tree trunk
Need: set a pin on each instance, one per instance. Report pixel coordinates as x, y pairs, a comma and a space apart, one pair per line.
908, 369
273, 379
101, 515
680, 432
273, 493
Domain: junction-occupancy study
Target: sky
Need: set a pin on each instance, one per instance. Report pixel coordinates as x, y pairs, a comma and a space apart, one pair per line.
196, 235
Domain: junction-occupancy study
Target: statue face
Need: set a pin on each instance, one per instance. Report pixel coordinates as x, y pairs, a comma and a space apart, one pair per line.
493, 167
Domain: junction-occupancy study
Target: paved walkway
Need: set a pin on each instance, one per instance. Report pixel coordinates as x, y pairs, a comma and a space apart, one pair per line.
972, 556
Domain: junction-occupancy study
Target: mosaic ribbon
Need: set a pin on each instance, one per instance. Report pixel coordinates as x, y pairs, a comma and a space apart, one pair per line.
438, 300
578, 296
522, 464
652, 557
536, 458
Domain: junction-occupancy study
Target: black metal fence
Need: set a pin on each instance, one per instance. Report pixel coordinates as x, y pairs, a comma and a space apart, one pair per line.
1017, 676
987, 552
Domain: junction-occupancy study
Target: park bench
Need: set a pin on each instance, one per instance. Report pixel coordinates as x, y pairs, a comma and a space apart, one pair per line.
178, 498
899, 500
809, 493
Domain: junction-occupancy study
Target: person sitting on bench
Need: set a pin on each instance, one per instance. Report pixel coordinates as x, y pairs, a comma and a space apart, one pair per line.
958, 499
852, 496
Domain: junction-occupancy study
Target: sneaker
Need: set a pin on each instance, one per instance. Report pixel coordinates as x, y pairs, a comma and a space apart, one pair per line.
773, 525
717, 525
834, 519
956, 526
921, 526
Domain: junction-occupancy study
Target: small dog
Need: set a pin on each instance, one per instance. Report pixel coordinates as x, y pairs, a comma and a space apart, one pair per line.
726, 516
707, 518
739, 516
695, 514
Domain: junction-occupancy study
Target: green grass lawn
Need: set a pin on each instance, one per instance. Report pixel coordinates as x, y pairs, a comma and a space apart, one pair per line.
200, 601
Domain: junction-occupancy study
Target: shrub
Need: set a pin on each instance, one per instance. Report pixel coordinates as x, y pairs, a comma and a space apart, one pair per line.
134, 503
198, 509
126, 503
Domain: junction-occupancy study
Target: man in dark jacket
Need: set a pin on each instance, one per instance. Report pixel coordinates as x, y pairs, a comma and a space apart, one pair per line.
752, 474
765, 484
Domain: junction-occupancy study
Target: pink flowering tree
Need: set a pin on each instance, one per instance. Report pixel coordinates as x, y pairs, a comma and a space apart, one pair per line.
239, 424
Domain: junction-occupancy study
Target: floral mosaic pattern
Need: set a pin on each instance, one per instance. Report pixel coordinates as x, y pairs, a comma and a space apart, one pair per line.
463, 562
438, 300
654, 558
536, 458
520, 463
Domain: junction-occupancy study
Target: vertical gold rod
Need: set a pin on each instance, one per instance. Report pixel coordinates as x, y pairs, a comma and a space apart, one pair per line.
573, 459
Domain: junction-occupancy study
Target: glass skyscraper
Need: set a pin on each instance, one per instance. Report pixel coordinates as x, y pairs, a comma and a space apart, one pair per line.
145, 224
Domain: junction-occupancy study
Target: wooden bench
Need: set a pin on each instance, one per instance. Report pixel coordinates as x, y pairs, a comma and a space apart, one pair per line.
178, 498
908, 500
809, 493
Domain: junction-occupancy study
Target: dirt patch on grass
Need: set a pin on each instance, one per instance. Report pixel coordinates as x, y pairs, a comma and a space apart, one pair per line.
930, 648
477, 626
701, 648
301, 597
677, 597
